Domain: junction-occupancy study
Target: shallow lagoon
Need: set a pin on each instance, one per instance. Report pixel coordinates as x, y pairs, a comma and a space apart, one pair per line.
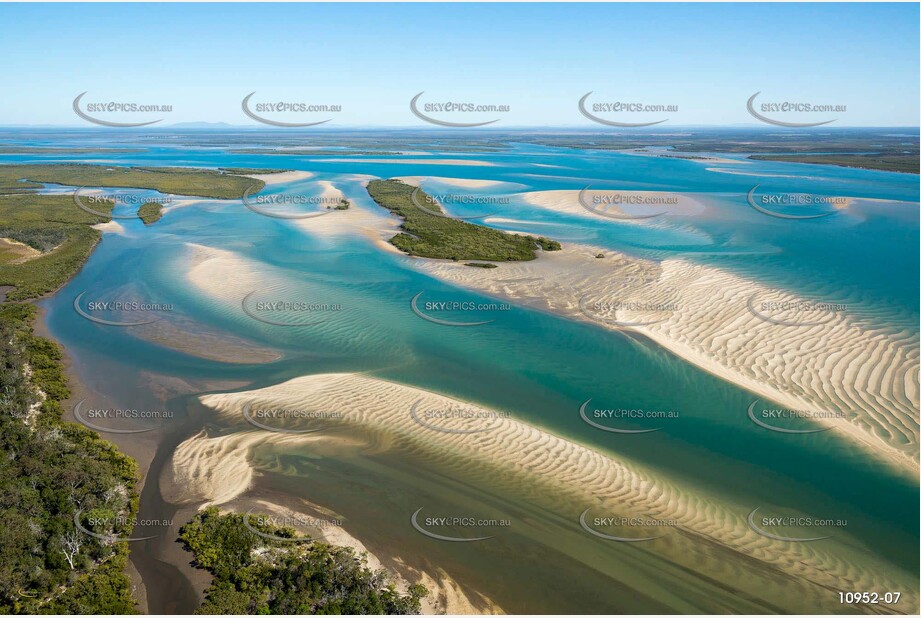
537, 367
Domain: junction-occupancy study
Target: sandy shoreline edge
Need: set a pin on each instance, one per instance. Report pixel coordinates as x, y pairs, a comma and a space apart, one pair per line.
220, 469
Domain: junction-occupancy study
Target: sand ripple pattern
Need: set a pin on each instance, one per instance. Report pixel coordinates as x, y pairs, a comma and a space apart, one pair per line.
859, 378
522, 460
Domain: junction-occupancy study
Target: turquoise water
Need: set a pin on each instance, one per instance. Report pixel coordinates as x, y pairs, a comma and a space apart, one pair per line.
538, 367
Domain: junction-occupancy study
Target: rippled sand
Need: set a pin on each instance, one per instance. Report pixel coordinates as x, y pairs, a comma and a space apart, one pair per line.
838, 366
633, 203
282, 177
709, 532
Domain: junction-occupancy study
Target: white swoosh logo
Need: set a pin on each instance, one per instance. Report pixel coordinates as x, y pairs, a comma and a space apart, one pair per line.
610, 537
274, 123
91, 318
443, 123
107, 123
440, 537
418, 312
776, 537
751, 110
771, 213
611, 429
611, 123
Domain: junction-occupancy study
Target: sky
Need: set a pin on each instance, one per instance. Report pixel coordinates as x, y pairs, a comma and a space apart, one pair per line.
705, 60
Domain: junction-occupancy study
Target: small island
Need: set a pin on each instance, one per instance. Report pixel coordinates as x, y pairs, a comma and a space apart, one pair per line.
150, 212
431, 236
62, 234
906, 163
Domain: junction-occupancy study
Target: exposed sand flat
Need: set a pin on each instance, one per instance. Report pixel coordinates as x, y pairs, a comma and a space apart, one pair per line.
281, 177
464, 183
521, 460
209, 268
329, 190
20, 252
697, 157
204, 341
373, 223
836, 366
723, 170
615, 202
109, 227
470, 162
709, 160
214, 470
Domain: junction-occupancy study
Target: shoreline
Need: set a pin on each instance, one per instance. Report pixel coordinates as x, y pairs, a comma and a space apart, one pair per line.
559, 282
575, 475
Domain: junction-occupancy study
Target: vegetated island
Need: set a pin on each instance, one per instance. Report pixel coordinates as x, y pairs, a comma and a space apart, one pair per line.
893, 162
196, 182
430, 236
61, 232
885, 149
256, 574
150, 212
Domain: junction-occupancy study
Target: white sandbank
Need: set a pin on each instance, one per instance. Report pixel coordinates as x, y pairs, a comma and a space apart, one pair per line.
839, 366
516, 459
281, 177
109, 227
615, 202
464, 183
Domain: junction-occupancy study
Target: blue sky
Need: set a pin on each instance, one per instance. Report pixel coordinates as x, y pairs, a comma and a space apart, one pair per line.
538, 59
